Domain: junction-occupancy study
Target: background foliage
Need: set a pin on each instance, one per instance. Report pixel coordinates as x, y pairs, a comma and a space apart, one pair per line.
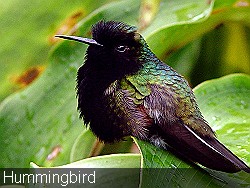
202, 40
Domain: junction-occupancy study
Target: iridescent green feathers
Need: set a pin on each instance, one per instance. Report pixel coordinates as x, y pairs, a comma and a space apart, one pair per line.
152, 74
124, 90
170, 95
141, 74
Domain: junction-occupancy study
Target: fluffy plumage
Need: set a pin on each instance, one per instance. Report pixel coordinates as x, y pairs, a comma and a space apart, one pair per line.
124, 89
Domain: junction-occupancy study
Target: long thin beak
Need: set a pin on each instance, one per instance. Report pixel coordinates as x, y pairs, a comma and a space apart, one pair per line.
80, 39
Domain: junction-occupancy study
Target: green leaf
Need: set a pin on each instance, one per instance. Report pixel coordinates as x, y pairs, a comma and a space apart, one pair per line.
41, 122
30, 119
176, 24
28, 28
87, 145
148, 10
128, 160
123, 146
184, 59
173, 29
170, 171
83, 146
224, 103
118, 170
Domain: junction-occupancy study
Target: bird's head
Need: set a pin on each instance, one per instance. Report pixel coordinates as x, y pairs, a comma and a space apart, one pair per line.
115, 46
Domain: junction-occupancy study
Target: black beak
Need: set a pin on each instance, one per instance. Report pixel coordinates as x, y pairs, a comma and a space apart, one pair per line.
80, 39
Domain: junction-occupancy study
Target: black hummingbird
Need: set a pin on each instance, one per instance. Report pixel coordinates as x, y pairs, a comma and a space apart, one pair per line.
123, 90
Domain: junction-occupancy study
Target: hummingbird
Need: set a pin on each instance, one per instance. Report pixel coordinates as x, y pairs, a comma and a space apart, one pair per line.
123, 89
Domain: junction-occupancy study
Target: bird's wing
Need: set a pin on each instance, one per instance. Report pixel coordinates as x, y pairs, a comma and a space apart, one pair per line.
168, 98
125, 110
176, 129
180, 125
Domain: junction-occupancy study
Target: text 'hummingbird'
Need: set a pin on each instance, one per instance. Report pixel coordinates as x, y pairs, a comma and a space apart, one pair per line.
123, 90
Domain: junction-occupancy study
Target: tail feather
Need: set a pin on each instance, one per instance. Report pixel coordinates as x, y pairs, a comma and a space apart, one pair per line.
228, 155
218, 156
207, 151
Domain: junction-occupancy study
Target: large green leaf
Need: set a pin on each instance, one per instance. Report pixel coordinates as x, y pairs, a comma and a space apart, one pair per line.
28, 27
31, 44
128, 160
83, 146
168, 170
119, 170
224, 103
41, 123
30, 118
87, 145
215, 52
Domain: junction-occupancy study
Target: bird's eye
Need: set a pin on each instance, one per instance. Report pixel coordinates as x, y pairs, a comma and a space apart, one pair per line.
122, 48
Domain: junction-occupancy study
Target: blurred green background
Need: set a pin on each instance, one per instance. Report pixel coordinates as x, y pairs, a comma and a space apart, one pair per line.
219, 47
201, 39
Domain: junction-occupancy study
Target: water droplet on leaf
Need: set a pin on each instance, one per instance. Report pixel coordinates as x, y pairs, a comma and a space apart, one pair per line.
40, 153
215, 118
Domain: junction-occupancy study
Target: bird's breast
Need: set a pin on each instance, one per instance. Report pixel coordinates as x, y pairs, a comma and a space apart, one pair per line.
102, 107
